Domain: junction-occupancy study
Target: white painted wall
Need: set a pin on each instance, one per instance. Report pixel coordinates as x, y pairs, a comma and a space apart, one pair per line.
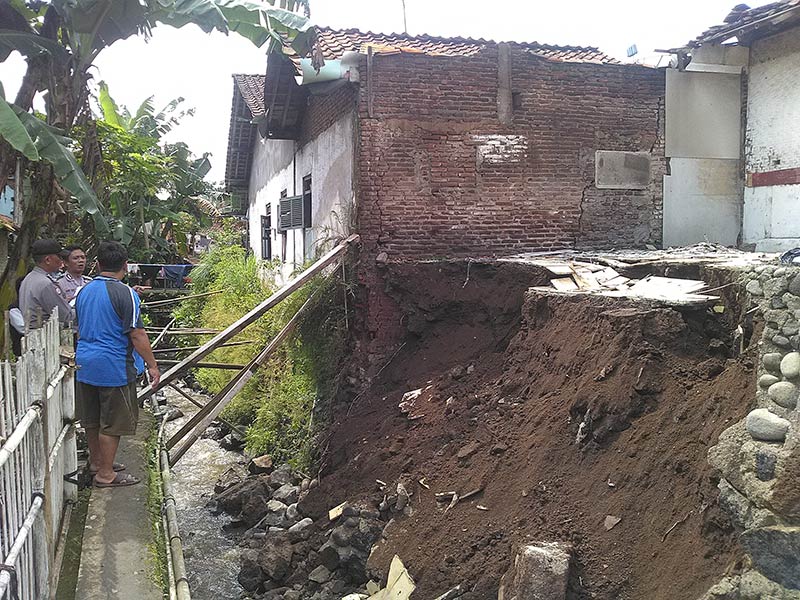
773, 141
703, 193
702, 202
703, 115
329, 159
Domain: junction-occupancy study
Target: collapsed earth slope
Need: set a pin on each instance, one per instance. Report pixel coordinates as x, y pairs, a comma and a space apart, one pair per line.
562, 411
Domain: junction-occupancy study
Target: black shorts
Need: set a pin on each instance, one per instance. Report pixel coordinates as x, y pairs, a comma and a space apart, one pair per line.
114, 410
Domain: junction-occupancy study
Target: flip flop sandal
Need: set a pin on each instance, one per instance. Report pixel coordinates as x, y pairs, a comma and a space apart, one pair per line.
121, 480
117, 468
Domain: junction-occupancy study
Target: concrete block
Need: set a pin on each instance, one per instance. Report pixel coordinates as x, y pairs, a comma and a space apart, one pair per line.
622, 170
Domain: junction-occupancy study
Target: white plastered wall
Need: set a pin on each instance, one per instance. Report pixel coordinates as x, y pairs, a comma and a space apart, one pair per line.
773, 141
702, 193
278, 166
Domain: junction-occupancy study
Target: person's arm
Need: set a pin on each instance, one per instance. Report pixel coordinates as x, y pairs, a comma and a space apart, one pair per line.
126, 303
141, 344
50, 297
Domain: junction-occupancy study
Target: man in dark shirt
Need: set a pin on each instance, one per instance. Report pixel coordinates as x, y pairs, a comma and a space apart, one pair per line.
110, 332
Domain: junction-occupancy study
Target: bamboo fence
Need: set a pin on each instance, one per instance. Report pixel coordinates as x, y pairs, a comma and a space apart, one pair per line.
37, 413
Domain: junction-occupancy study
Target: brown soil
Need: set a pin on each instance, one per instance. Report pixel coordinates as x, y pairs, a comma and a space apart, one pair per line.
501, 411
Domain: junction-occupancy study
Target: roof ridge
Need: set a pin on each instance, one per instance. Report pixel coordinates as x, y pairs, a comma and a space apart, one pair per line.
459, 39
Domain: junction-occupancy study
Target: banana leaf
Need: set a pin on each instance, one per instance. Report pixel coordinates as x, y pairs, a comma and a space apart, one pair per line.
13, 131
52, 148
29, 45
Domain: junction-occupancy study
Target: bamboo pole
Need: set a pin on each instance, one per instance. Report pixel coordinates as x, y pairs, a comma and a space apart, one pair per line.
175, 543
173, 373
156, 303
162, 334
186, 348
221, 400
19, 542
205, 365
16, 437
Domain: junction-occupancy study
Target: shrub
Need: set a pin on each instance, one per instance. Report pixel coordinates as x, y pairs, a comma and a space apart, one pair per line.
277, 405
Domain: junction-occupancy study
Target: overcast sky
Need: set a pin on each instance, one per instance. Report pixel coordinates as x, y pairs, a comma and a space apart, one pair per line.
198, 67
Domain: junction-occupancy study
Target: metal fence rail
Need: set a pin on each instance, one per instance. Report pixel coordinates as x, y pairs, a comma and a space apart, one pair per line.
37, 412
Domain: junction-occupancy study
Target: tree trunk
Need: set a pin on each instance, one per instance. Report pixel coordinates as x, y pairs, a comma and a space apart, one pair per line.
145, 237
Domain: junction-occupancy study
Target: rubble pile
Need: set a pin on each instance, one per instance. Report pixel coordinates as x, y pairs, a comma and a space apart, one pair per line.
288, 555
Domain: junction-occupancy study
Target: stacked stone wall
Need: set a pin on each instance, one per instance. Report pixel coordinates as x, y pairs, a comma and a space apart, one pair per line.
759, 457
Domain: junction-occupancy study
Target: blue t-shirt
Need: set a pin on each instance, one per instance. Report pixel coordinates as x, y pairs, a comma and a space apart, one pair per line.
107, 311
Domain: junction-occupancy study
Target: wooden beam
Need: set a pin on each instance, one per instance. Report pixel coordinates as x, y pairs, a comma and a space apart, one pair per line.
199, 404
219, 402
252, 316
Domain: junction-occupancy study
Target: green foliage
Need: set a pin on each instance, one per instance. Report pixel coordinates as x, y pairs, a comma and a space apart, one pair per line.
278, 404
154, 195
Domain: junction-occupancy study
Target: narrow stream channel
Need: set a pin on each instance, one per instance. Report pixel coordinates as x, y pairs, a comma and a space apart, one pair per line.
212, 559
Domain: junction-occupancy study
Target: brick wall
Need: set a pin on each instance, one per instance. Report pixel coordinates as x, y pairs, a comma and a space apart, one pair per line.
322, 111
440, 176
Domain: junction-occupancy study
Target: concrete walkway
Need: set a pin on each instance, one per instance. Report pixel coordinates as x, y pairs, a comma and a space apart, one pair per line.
116, 560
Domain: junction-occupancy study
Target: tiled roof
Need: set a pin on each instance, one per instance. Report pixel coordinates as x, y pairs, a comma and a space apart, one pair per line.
247, 103
743, 19
335, 42
251, 87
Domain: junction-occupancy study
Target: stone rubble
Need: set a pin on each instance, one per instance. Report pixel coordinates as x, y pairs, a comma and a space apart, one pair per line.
288, 555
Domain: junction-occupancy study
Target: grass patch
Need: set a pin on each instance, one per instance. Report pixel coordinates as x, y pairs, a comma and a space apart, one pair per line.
157, 547
281, 406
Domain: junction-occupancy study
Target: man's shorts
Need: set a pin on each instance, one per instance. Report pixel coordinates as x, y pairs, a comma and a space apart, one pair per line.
115, 410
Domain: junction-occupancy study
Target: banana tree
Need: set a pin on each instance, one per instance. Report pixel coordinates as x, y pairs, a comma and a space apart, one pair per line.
60, 40
152, 192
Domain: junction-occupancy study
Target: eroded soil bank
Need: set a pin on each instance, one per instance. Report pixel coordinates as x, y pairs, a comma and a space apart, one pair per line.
563, 411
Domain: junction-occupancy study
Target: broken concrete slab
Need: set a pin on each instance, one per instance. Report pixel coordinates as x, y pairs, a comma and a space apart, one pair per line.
540, 572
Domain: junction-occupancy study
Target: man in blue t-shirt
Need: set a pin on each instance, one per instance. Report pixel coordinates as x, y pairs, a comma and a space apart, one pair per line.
110, 334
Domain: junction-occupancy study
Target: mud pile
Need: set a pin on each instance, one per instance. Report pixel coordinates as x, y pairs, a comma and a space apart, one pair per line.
562, 412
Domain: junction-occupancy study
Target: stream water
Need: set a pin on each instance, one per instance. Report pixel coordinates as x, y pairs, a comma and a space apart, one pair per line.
212, 558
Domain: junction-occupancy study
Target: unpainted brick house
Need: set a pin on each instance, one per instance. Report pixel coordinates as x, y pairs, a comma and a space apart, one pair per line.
733, 132
441, 148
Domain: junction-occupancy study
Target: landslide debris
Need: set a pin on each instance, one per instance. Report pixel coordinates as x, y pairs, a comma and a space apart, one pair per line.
589, 408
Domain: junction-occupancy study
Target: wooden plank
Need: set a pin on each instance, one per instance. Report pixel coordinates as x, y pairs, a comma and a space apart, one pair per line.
666, 286
187, 348
199, 404
295, 284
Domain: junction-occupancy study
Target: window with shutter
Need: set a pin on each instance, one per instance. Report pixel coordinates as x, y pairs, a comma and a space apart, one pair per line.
307, 201
290, 213
266, 232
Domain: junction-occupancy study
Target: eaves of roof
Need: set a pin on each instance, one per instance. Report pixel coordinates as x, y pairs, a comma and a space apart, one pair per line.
752, 23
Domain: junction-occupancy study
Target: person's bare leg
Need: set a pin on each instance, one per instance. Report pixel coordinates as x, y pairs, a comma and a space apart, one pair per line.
92, 439
108, 451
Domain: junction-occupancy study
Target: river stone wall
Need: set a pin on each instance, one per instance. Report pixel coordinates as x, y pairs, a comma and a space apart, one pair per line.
758, 458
